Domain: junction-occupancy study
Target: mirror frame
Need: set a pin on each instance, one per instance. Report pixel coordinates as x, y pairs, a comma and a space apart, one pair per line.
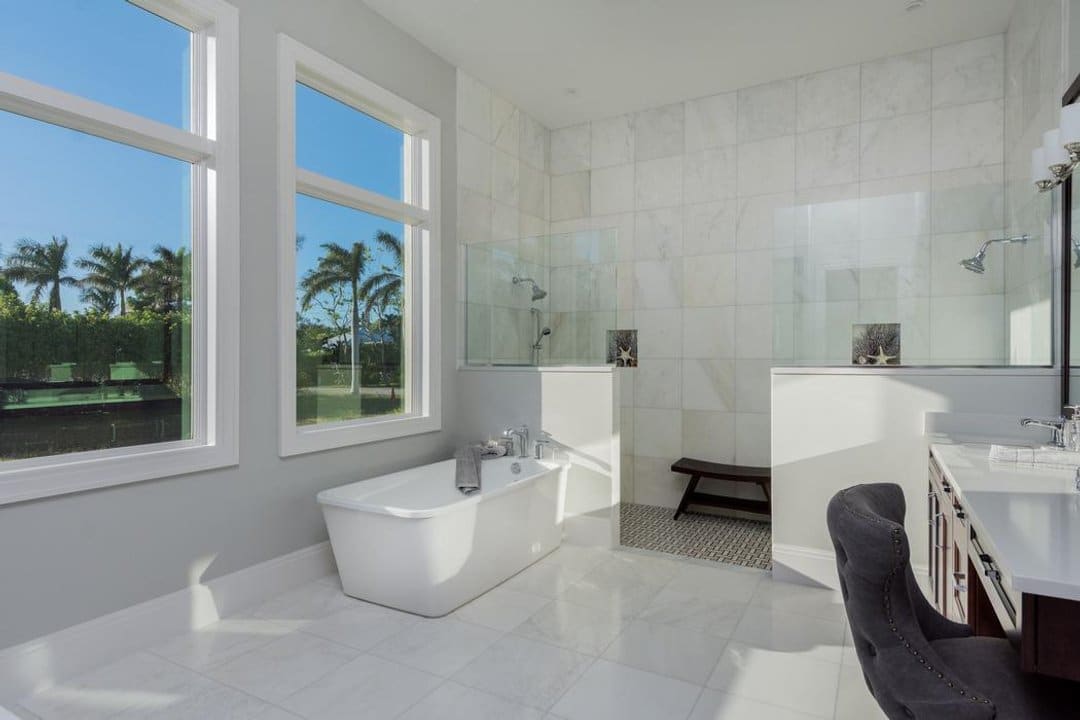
1071, 96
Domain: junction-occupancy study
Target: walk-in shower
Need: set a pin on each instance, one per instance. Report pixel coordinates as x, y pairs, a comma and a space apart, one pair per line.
976, 263
547, 300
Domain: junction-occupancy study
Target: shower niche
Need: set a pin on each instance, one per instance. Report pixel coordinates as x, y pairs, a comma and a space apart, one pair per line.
546, 300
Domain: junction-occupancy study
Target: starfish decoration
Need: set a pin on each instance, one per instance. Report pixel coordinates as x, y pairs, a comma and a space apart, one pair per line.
625, 356
881, 358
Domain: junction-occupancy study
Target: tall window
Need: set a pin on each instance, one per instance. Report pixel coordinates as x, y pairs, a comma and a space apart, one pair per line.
117, 242
359, 353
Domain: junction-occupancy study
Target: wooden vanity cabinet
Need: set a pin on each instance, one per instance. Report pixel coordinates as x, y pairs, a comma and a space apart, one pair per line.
968, 587
949, 536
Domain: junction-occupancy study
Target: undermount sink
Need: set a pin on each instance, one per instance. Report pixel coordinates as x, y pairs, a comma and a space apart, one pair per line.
975, 472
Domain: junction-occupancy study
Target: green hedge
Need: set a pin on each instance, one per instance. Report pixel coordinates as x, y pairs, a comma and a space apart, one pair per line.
32, 338
379, 367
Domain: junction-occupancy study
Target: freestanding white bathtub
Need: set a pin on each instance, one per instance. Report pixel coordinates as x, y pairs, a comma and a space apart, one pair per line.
412, 541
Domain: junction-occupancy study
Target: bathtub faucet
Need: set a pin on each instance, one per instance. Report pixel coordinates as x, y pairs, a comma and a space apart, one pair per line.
522, 435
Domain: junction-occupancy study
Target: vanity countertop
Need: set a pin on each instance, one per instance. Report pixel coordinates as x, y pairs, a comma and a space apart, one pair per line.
1028, 516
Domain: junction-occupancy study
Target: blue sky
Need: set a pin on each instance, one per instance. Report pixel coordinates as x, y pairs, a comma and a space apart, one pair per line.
56, 181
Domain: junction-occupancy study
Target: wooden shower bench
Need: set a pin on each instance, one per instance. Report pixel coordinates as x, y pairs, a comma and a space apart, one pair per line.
698, 469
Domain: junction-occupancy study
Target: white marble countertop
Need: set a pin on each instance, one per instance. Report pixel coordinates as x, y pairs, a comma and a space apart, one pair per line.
1029, 517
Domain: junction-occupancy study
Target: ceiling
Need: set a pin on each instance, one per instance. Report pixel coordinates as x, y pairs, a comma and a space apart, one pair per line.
567, 61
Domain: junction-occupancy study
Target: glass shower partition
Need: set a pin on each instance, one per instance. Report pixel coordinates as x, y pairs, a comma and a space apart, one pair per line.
547, 300
877, 275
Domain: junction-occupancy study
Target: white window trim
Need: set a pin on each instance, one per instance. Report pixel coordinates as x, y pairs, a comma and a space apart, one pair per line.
422, 270
212, 147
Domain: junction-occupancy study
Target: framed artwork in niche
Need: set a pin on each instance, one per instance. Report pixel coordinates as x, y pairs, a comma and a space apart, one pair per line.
622, 348
875, 344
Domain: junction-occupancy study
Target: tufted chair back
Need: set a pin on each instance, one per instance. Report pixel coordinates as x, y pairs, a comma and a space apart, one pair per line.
892, 624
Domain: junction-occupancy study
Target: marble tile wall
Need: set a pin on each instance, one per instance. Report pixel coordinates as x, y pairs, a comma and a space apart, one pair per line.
1034, 83
504, 190
754, 227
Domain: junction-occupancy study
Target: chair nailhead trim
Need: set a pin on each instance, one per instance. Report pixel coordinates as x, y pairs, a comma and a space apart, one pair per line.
886, 604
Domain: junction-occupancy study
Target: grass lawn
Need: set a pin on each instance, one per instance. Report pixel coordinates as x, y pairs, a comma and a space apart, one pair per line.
336, 404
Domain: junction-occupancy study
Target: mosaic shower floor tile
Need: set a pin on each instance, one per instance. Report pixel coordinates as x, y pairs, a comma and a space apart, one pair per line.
705, 537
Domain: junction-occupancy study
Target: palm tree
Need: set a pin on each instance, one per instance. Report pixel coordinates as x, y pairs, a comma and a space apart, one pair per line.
6, 286
165, 282
42, 267
111, 270
340, 266
100, 300
383, 289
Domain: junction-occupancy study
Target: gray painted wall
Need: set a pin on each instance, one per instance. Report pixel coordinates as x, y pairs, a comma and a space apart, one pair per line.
72, 558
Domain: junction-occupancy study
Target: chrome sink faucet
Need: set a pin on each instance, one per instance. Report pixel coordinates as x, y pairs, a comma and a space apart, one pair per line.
1055, 426
522, 435
1065, 430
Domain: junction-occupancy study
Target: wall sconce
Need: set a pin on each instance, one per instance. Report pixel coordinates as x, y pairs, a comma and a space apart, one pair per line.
1040, 172
1070, 130
1059, 155
1056, 157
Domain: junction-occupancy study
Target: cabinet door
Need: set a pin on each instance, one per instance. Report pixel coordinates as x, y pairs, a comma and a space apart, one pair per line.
934, 507
958, 564
940, 495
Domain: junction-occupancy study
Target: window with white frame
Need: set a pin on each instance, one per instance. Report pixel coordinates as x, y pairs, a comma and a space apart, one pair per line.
118, 242
358, 258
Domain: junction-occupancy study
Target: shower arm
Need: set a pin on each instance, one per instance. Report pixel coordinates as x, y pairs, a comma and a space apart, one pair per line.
1004, 241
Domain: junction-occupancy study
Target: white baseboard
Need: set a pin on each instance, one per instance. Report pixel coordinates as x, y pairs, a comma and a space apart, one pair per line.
40, 663
811, 566
804, 565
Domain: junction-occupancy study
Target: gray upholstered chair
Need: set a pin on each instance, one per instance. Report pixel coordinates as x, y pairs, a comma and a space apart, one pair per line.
917, 663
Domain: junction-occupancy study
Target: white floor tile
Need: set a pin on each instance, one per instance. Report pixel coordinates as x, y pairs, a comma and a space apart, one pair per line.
849, 657
452, 701
548, 579
524, 671
276, 670
368, 687
501, 609
666, 650
693, 612
661, 628
441, 647
222, 641
140, 681
800, 599
608, 691
575, 627
719, 583
791, 681
313, 601
362, 626
791, 634
203, 698
580, 557
607, 590
853, 700
648, 569
714, 705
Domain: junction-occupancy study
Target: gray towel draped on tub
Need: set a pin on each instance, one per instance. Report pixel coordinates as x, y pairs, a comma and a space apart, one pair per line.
468, 468
467, 475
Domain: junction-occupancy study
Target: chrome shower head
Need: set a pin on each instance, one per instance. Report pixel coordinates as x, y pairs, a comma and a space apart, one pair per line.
538, 293
975, 263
